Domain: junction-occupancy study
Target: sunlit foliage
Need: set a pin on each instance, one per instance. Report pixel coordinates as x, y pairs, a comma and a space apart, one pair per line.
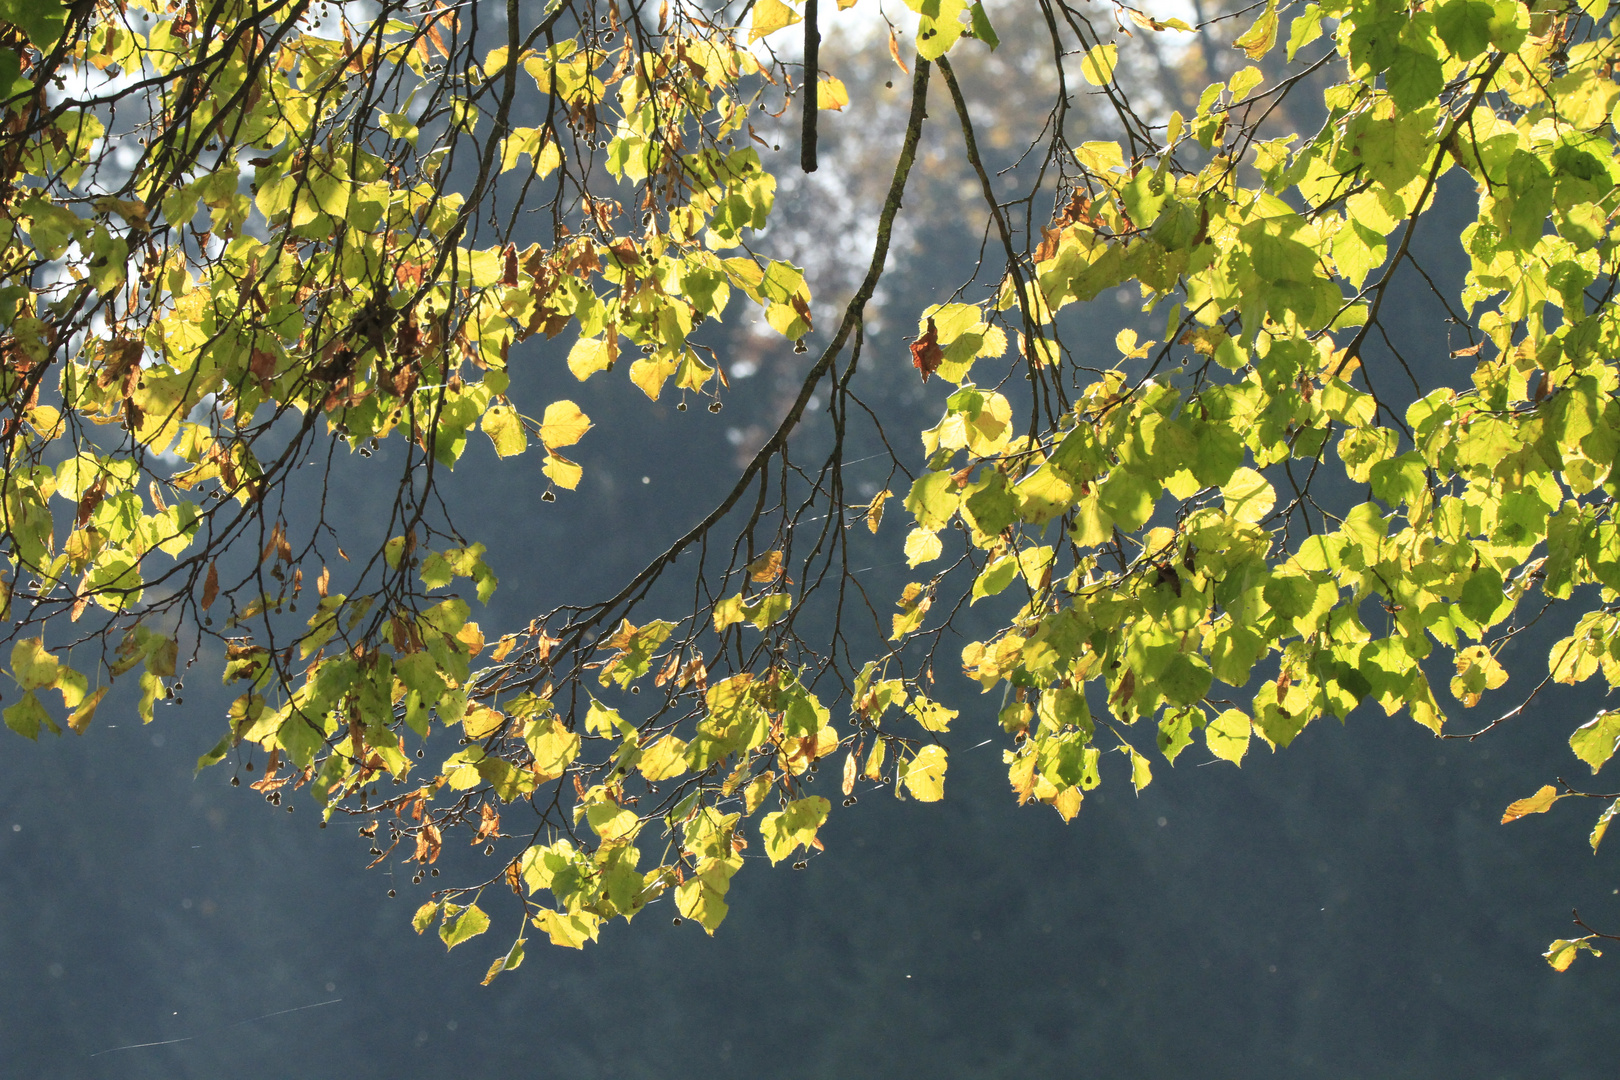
240, 236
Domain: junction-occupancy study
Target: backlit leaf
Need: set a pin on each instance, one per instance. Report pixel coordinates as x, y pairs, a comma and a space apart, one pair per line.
563, 425
1539, 803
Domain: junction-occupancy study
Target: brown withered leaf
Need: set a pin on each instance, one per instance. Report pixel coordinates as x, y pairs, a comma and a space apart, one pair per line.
766, 568
695, 673
544, 644
894, 51
262, 364
90, 500
1050, 239
671, 668
489, 824
926, 355
509, 274
428, 843
210, 586
409, 273
514, 879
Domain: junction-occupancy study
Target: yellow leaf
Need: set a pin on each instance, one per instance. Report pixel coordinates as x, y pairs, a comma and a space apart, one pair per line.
702, 898
793, 827
1258, 39
1100, 156
509, 962
570, 930
924, 775
87, 711
1099, 63
563, 425
1539, 803
831, 94
1021, 775
505, 429
759, 787
1141, 772
554, 747
563, 473
769, 17
728, 612
874, 761
922, 546
930, 714
1248, 496
548, 161
1561, 953
874, 512
1067, 802
590, 355
481, 722
664, 759
649, 376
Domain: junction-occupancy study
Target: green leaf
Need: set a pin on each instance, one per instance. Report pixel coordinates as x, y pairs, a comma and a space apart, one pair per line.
468, 924
981, 25
28, 716
31, 665
1602, 825
1227, 736
1594, 741
996, 576
41, 20
933, 500
1465, 26
509, 962
1561, 953
1175, 731
1415, 77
